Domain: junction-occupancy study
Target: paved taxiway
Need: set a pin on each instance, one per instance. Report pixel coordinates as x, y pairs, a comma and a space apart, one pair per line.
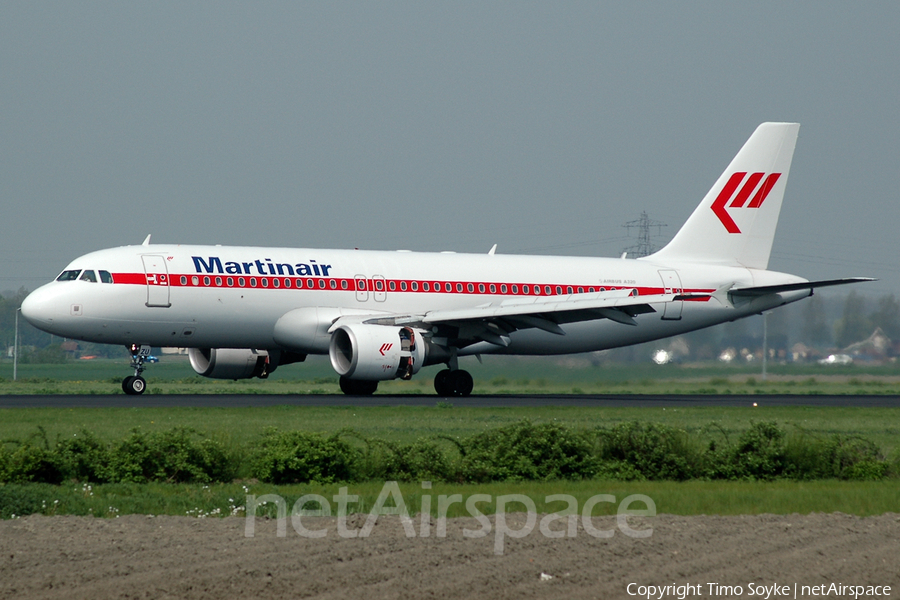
600, 401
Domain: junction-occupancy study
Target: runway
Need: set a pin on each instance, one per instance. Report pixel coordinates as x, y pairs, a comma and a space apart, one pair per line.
487, 401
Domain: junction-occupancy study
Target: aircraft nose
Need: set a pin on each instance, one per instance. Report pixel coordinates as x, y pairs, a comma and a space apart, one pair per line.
37, 308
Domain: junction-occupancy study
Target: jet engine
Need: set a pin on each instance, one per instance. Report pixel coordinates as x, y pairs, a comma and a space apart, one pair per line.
231, 363
377, 352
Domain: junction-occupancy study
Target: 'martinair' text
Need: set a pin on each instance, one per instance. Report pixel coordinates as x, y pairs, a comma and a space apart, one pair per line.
263, 266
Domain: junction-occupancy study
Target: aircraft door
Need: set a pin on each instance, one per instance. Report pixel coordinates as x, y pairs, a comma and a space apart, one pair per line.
380, 286
671, 285
157, 280
362, 288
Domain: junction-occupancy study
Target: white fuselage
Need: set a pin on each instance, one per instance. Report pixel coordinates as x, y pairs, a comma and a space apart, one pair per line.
232, 297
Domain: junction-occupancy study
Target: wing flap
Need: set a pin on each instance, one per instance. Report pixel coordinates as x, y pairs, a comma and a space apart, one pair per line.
493, 321
554, 307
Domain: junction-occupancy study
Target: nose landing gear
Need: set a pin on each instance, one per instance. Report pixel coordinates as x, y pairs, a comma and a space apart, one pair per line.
134, 385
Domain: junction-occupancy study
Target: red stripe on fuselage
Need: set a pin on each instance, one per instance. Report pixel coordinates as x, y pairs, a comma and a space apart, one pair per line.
385, 286
132, 278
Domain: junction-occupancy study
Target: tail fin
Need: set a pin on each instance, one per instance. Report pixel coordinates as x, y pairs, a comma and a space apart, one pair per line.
735, 223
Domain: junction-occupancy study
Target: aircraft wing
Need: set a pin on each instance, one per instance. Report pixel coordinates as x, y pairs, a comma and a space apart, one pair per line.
494, 321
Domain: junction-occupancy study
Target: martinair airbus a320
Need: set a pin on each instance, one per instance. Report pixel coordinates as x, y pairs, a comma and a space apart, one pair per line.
243, 311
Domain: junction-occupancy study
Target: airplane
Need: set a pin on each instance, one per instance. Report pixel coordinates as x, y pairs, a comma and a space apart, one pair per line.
382, 315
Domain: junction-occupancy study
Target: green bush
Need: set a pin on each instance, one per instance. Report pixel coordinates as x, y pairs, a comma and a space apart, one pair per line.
806, 457
856, 458
32, 463
173, 456
423, 460
83, 457
650, 451
866, 470
758, 454
299, 457
765, 452
618, 470
837, 456
524, 451
4, 461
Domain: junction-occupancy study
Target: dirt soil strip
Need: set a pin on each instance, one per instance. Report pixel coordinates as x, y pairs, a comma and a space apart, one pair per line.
183, 557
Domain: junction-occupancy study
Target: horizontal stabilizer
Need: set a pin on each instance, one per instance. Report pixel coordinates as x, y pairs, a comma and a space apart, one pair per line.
764, 290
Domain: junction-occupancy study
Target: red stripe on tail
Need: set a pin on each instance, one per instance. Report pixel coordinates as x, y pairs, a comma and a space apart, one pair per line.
764, 190
718, 206
745, 192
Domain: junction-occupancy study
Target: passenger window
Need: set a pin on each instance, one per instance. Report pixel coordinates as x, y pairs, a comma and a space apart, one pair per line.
89, 276
68, 275
105, 277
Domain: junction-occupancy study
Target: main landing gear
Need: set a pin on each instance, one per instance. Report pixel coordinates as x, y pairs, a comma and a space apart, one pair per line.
134, 385
453, 383
446, 383
358, 387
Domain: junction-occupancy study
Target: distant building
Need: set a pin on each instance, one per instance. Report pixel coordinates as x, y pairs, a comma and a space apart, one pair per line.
878, 347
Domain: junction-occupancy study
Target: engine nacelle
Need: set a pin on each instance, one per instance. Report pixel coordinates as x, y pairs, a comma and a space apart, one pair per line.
376, 352
230, 363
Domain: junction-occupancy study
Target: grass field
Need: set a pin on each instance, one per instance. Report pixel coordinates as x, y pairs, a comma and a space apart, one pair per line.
497, 375
406, 424
687, 498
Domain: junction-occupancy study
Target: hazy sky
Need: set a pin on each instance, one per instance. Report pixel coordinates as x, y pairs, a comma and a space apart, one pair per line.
542, 127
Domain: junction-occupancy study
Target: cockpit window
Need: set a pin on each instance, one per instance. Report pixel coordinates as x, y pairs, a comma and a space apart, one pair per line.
105, 277
89, 276
69, 275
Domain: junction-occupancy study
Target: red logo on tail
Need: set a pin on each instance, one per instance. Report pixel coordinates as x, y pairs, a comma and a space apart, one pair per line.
740, 199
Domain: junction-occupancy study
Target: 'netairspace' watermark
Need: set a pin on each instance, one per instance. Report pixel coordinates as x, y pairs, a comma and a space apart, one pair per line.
502, 530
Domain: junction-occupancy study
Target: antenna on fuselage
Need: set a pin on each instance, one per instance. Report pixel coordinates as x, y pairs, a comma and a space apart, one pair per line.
147, 240
492, 250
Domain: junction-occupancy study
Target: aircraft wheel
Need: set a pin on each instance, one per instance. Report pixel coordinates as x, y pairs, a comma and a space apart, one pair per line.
134, 386
442, 383
461, 382
358, 387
